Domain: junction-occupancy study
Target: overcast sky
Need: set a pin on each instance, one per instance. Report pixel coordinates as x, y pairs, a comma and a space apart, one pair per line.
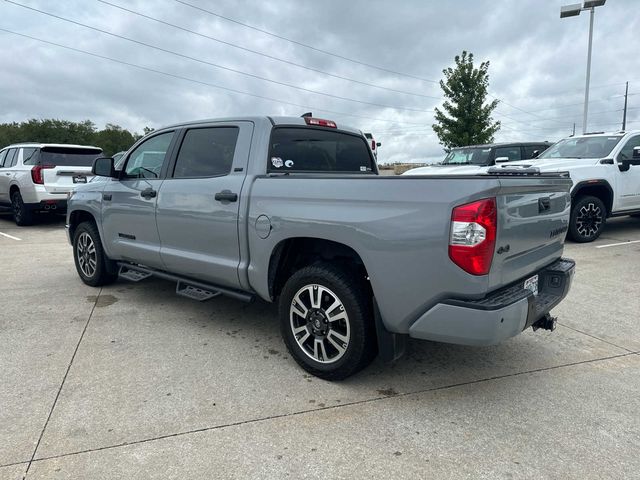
538, 64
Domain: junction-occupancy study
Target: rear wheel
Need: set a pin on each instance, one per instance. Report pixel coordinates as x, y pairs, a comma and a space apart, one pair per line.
21, 214
89, 256
588, 216
327, 322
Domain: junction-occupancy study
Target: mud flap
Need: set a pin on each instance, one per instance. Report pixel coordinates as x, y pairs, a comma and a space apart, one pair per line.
391, 346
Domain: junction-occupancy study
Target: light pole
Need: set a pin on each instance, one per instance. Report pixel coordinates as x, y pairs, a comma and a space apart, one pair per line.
574, 10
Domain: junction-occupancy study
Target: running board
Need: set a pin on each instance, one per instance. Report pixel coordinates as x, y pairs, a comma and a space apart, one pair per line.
195, 293
132, 275
185, 286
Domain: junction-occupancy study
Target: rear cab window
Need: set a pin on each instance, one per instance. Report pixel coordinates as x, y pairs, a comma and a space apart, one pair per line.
67, 157
206, 152
315, 150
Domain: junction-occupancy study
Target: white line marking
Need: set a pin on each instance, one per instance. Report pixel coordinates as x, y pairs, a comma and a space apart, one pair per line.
10, 236
618, 244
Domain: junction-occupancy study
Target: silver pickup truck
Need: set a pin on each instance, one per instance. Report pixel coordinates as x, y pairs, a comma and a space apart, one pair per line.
293, 210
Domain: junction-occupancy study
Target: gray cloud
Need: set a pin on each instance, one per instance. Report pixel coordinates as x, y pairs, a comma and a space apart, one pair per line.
537, 64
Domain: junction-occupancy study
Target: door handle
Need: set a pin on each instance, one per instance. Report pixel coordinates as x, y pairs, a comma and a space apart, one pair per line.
226, 196
148, 193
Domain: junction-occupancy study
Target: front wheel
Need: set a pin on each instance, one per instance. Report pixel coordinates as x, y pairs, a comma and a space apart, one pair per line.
588, 216
327, 322
89, 256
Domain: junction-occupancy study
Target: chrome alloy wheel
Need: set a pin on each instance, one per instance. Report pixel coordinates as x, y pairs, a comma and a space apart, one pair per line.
589, 220
86, 254
319, 323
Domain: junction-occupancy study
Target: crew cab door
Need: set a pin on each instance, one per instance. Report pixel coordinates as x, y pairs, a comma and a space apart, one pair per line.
129, 203
628, 182
198, 203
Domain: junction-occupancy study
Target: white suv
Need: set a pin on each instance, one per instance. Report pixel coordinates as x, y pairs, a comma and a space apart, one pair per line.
36, 177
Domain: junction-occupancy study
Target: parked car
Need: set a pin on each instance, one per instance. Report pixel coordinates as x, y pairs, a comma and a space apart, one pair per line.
292, 210
373, 143
605, 174
36, 177
478, 158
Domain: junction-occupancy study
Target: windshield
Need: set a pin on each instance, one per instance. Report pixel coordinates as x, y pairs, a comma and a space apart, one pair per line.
582, 147
467, 156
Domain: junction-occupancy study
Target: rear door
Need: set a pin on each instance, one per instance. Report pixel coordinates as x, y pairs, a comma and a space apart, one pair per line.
7, 173
198, 203
129, 203
63, 168
628, 182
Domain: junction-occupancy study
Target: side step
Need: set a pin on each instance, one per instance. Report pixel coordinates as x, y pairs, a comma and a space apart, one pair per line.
133, 275
195, 293
185, 286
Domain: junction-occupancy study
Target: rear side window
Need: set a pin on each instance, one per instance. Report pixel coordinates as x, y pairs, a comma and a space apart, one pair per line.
315, 150
206, 152
29, 156
512, 153
68, 157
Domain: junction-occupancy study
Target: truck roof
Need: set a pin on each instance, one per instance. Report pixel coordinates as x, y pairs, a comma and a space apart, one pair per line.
56, 145
274, 120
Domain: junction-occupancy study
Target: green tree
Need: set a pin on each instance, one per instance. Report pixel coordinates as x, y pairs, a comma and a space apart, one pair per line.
466, 120
113, 139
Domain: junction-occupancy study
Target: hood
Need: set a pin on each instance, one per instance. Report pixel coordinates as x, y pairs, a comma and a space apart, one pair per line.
554, 164
447, 170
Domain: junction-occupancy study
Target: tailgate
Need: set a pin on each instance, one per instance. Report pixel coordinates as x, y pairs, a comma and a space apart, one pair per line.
533, 218
63, 179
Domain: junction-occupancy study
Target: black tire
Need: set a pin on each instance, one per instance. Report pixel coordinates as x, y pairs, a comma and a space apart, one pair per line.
21, 214
588, 217
357, 325
91, 263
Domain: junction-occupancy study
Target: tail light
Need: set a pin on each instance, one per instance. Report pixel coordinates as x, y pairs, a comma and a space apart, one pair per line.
373, 145
320, 122
473, 236
36, 173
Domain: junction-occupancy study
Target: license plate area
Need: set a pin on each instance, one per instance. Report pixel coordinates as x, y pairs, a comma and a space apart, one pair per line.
531, 284
79, 179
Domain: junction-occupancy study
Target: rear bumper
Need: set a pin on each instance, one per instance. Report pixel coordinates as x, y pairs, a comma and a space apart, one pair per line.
502, 314
53, 205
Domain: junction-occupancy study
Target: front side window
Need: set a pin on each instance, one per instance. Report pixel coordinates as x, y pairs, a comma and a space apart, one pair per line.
147, 159
512, 153
3, 155
627, 151
206, 152
315, 150
582, 147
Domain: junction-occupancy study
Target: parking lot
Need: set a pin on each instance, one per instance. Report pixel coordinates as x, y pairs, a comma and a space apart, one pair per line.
132, 381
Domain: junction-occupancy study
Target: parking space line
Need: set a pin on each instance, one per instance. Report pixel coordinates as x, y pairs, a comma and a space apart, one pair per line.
10, 236
618, 244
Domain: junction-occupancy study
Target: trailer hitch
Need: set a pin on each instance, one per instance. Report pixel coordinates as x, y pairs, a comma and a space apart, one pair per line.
547, 322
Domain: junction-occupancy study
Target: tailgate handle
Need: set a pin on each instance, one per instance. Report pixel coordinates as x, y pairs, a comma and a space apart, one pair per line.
544, 204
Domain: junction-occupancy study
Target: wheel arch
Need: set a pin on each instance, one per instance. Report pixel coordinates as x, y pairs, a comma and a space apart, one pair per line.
598, 188
293, 253
76, 217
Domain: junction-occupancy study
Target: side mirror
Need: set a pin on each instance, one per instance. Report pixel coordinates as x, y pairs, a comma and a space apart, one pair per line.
103, 167
636, 154
502, 159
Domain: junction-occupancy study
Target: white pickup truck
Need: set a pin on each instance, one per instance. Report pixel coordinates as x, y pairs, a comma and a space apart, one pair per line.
605, 174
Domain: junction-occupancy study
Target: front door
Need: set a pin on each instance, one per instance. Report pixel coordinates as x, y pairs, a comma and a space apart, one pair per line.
129, 203
628, 182
198, 203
